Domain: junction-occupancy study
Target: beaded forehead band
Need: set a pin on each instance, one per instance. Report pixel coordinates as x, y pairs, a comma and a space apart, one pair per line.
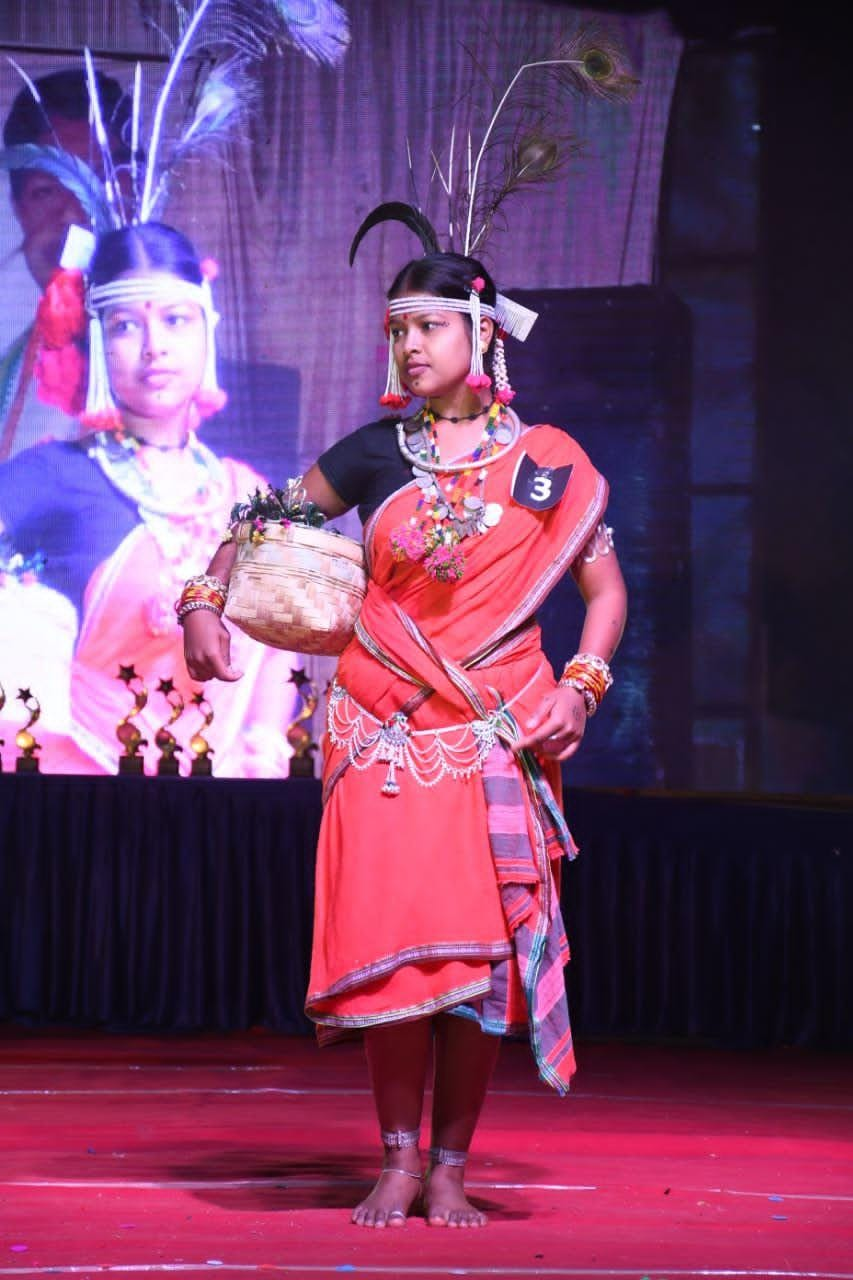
157, 287
512, 317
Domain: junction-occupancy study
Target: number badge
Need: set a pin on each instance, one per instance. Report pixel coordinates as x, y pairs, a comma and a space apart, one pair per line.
538, 488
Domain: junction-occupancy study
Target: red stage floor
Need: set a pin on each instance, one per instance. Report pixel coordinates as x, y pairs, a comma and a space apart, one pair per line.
242, 1155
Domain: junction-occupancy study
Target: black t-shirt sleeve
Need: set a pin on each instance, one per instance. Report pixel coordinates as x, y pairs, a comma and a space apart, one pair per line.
54, 500
28, 486
346, 466
366, 467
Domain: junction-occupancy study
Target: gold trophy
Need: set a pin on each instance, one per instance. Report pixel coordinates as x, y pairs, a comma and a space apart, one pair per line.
129, 734
199, 746
298, 733
28, 761
167, 765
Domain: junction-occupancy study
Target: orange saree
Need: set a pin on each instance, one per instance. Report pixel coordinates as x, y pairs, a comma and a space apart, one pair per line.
437, 883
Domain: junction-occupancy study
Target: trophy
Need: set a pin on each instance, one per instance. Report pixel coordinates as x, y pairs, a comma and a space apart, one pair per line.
298, 733
199, 746
129, 734
28, 761
167, 765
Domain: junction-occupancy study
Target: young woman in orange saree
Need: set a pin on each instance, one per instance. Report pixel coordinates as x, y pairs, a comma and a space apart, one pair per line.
437, 921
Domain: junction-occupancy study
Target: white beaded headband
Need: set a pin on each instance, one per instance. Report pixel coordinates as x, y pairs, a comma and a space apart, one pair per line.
512, 317
158, 287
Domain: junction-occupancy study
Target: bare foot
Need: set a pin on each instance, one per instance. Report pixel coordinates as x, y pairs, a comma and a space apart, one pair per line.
445, 1200
396, 1190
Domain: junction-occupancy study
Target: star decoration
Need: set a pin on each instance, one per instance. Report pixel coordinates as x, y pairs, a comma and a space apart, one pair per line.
24, 695
166, 686
298, 677
199, 698
127, 674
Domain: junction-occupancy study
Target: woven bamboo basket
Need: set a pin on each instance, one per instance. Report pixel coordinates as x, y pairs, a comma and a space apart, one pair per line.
300, 588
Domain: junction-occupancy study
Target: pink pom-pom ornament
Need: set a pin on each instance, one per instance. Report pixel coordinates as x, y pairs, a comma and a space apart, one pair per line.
210, 400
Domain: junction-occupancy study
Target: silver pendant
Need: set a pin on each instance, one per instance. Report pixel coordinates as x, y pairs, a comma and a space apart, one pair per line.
472, 502
503, 435
492, 514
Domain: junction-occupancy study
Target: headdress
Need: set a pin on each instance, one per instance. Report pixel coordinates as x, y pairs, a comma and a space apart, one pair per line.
223, 39
534, 147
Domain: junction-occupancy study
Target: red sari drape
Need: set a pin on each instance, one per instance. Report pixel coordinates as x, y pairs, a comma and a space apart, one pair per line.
414, 907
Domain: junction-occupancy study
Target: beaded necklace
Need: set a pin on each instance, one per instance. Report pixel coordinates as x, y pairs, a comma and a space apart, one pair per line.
449, 509
181, 496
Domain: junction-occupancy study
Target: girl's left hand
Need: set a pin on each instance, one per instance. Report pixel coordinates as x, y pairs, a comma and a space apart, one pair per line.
557, 727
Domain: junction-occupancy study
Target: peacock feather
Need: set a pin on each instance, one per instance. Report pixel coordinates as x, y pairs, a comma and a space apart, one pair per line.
74, 174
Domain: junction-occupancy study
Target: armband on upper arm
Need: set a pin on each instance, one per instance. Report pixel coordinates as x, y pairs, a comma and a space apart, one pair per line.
600, 544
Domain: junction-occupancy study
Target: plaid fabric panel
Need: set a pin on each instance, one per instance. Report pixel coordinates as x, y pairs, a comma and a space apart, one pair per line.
532, 910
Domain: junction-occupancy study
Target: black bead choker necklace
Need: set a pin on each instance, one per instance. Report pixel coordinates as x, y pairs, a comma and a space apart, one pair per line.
163, 448
465, 417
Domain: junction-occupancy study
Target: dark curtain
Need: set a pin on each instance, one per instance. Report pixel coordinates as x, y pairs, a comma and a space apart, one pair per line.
178, 905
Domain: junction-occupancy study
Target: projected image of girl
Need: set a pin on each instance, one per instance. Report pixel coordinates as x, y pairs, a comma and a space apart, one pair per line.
98, 533
119, 517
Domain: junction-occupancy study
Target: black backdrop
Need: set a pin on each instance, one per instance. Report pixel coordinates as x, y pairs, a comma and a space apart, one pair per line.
614, 369
181, 905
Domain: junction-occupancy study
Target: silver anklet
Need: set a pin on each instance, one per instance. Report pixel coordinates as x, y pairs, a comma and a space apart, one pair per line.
442, 1155
396, 1139
418, 1177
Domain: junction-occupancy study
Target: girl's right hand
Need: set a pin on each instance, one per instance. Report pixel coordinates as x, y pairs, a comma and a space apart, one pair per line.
207, 647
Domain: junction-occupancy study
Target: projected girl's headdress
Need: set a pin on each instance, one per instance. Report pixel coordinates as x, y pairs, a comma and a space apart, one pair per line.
223, 40
532, 147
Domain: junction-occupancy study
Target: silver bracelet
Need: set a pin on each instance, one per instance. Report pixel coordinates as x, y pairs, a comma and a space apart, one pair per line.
588, 696
197, 604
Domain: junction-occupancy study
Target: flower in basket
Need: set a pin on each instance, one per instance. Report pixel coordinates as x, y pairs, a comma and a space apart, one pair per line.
19, 567
289, 505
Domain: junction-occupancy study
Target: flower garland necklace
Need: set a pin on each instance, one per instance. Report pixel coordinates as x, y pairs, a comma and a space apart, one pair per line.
448, 512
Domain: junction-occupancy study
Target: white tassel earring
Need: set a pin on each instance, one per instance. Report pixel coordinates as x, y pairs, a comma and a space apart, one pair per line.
210, 397
477, 377
395, 395
503, 391
101, 412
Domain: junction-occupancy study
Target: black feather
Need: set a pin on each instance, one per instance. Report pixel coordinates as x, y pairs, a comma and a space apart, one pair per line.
397, 211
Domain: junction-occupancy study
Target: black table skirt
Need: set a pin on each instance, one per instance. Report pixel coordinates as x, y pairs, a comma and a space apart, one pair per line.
186, 904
